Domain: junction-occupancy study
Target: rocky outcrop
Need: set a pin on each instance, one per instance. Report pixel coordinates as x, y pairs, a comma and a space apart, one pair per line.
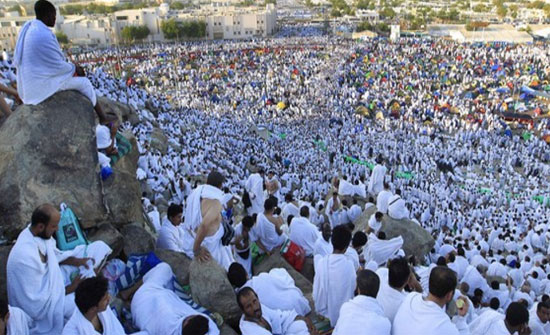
4, 252
124, 113
159, 141
417, 241
137, 240
179, 263
108, 234
48, 154
211, 289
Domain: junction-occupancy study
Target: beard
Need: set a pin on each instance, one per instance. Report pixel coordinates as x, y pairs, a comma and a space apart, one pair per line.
43, 235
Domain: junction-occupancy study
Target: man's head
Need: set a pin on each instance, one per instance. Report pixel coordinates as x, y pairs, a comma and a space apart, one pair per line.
398, 273
341, 237
494, 303
249, 303
517, 317
215, 179
92, 296
174, 214
304, 211
359, 240
378, 216
194, 325
269, 205
368, 283
442, 283
45, 12
237, 275
248, 222
45, 221
326, 231
543, 311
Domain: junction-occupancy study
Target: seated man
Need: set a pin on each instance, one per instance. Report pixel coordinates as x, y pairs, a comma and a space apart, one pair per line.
41, 278
13, 321
363, 315
261, 320
426, 316
41, 66
276, 289
171, 233
176, 317
303, 232
515, 322
268, 228
241, 242
397, 208
93, 315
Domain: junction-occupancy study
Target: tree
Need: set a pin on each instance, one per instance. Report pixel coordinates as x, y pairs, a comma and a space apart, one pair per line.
309, 4
514, 11
502, 11
365, 25
61, 37
335, 12
388, 13
476, 25
177, 5
170, 29
134, 33
270, 2
362, 4
481, 8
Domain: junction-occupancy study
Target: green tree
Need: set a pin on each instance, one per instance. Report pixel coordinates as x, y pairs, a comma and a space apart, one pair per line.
134, 33
171, 29
480, 8
502, 11
513, 11
365, 25
388, 13
335, 12
362, 4
270, 2
309, 4
177, 5
61, 37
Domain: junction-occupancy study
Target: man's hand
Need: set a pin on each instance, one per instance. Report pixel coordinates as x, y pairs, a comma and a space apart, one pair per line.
203, 255
311, 328
79, 71
84, 262
462, 311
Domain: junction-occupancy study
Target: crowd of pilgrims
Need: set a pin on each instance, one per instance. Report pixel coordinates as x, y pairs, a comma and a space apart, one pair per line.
310, 133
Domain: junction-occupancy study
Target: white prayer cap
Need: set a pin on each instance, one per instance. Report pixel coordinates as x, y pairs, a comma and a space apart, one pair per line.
103, 136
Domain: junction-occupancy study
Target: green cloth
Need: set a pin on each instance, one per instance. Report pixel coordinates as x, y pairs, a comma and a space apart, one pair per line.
123, 146
257, 258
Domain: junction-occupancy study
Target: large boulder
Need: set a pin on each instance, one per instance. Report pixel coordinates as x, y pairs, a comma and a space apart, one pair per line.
178, 261
121, 111
211, 289
108, 234
137, 240
416, 240
122, 191
48, 153
159, 141
226, 330
4, 252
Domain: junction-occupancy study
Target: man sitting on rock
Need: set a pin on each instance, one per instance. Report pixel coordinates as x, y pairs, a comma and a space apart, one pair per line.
171, 233
42, 279
156, 309
41, 66
276, 289
203, 227
13, 321
93, 315
258, 319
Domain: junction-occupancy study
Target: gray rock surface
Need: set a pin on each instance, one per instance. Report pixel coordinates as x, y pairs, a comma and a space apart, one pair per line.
159, 141
108, 234
211, 289
4, 252
48, 154
417, 241
137, 240
226, 330
179, 263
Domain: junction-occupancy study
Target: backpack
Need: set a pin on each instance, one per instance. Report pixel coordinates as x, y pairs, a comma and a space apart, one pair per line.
294, 254
69, 235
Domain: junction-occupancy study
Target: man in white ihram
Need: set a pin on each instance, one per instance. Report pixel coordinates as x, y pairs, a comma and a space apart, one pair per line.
41, 66
255, 188
37, 283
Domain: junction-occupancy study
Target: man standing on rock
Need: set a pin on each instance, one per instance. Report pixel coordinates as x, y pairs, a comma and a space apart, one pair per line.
37, 283
42, 69
203, 227
255, 188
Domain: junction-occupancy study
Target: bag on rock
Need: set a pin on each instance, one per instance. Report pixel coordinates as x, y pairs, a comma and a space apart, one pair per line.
294, 254
69, 235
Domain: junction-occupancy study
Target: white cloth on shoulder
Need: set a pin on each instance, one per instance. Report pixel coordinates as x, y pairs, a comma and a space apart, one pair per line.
98, 251
481, 324
34, 286
281, 322
19, 323
333, 284
277, 290
362, 315
41, 65
157, 295
79, 325
345, 188
381, 251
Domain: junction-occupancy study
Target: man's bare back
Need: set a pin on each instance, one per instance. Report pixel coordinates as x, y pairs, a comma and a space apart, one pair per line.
211, 210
